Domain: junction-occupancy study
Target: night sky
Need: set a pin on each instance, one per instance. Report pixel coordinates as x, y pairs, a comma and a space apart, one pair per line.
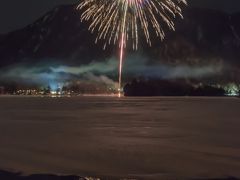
15, 14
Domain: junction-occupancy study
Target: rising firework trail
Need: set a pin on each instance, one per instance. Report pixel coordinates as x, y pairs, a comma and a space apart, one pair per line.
120, 21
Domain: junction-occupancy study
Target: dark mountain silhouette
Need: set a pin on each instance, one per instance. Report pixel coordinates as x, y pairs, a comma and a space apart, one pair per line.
58, 34
202, 36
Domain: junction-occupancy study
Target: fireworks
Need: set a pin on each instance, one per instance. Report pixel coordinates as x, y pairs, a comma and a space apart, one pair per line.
120, 21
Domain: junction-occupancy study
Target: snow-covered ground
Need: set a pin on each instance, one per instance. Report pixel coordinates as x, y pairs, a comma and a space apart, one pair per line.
154, 137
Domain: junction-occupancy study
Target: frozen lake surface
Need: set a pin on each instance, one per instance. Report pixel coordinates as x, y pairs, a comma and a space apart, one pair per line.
151, 138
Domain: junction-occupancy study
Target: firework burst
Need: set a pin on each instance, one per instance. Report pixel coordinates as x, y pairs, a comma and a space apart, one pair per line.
120, 21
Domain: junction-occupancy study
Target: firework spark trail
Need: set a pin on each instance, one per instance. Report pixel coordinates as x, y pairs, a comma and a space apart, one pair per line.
122, 20
121, 65
123, 41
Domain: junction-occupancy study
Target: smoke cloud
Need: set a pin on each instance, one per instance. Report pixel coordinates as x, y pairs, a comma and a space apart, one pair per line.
104, 72
138, 66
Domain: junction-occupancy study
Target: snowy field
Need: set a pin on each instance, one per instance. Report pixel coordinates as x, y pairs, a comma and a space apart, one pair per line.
150, 138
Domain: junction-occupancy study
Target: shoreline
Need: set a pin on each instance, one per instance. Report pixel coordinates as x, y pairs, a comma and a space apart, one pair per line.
7, 175
111, 95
